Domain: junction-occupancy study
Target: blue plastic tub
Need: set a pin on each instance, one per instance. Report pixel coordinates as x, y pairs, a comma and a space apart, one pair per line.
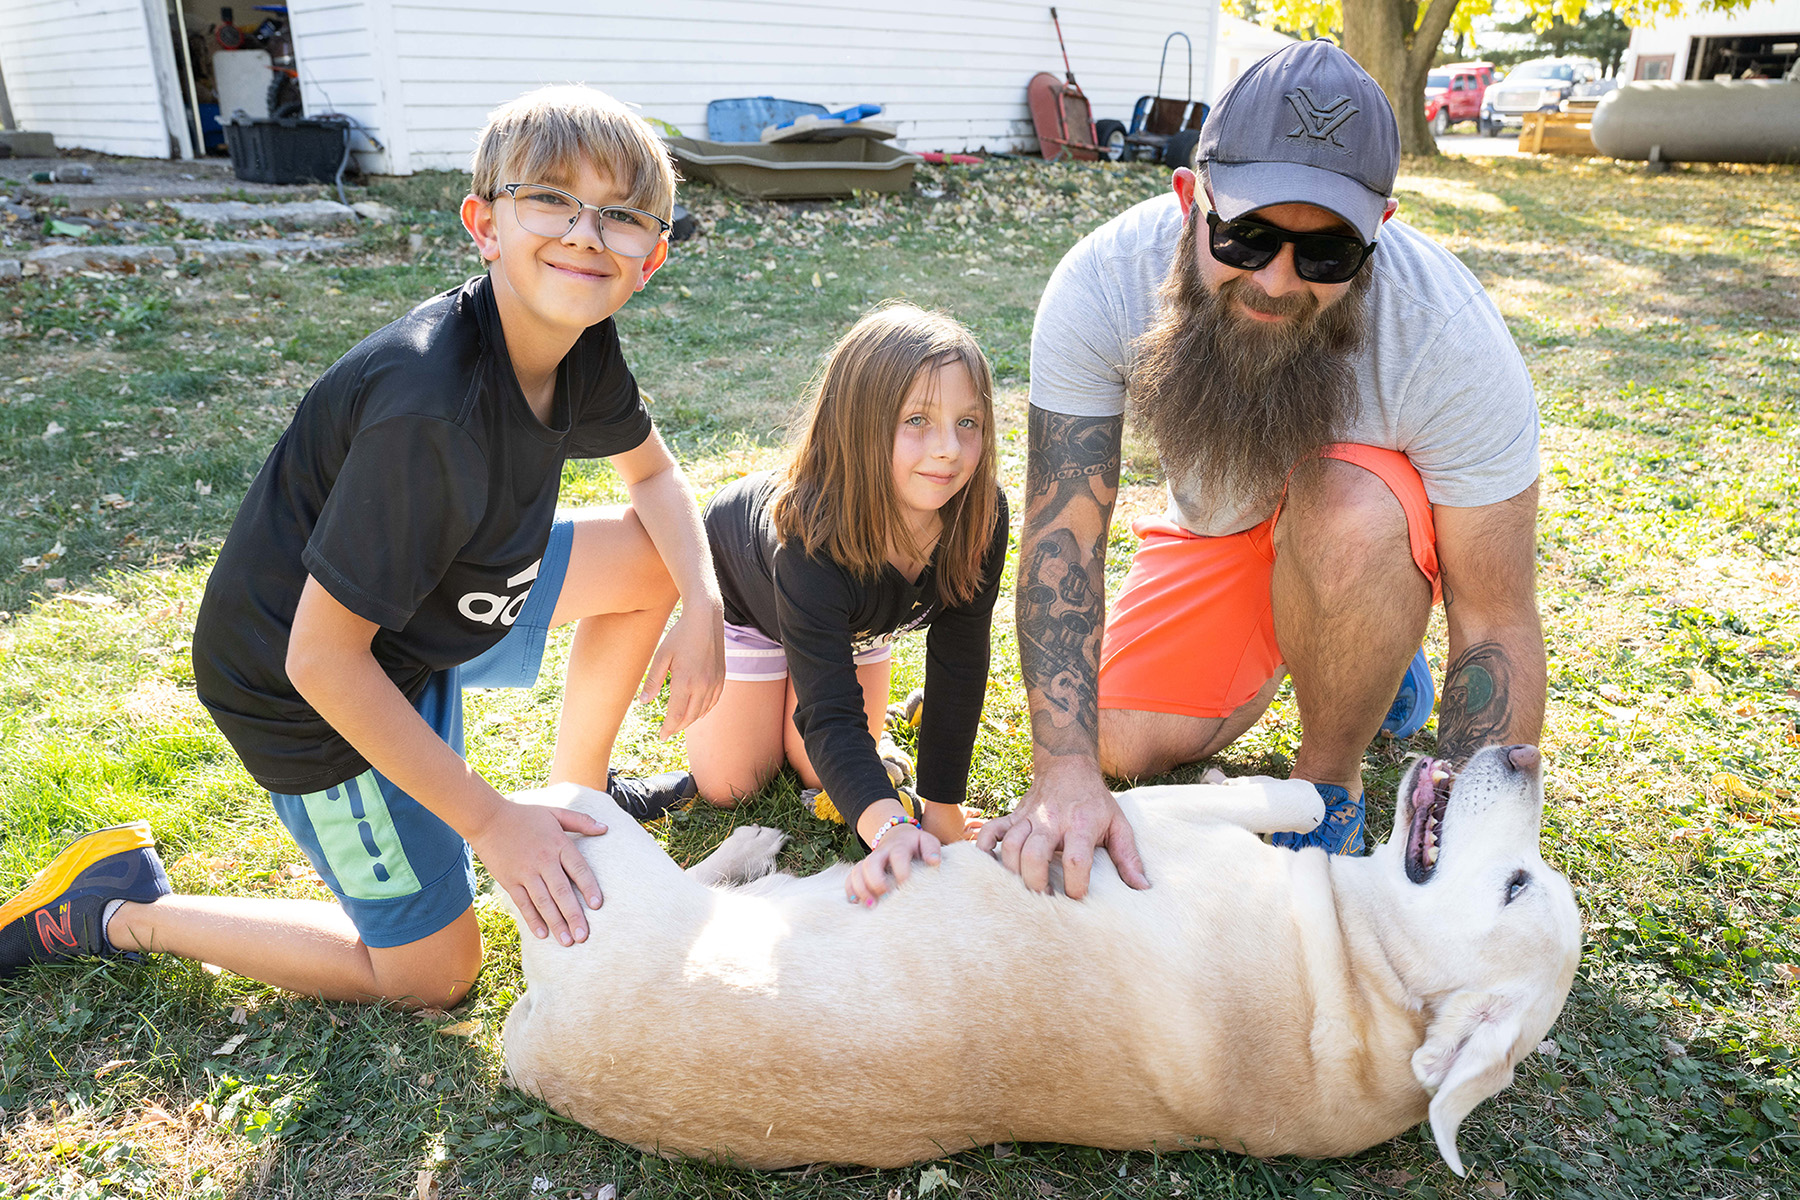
744, 119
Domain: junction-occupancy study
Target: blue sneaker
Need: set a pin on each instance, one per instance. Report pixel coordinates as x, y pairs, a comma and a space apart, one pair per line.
1412, 704
1341, 832
61, 912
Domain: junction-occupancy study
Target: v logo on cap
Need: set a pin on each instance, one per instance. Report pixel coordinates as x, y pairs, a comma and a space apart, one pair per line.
1320, 121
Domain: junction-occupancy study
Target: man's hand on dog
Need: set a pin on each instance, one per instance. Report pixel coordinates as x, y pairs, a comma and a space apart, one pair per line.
1071, 811
889, 864
526, 848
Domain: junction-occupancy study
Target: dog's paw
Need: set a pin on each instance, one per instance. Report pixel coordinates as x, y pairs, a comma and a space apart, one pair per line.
761, 846
747, 854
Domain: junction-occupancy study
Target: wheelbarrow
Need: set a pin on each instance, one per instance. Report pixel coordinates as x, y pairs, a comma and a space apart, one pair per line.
1060, 114
1162, 128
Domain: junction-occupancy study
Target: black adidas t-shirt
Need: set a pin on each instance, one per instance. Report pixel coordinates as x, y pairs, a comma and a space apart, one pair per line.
417, 486
822, 615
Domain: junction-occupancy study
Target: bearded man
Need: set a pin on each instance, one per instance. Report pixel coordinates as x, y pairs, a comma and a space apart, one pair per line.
1348, 435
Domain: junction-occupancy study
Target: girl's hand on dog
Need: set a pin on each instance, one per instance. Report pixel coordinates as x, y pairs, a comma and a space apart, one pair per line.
890, 864
951, 822
526, 848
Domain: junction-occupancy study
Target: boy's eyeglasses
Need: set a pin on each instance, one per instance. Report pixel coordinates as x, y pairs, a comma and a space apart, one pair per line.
551, 212
1318, 257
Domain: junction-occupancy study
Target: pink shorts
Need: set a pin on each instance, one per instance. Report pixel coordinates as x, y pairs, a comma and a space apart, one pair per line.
1192, 630
754, 657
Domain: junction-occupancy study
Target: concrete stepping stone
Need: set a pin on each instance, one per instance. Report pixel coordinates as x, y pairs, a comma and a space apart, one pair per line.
299, 214
64, 260
208, 250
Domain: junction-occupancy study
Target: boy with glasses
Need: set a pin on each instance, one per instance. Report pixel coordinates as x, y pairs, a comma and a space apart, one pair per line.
1348, 434
402, 542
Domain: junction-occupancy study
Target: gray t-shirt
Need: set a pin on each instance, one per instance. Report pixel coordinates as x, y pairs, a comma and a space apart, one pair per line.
1440, 379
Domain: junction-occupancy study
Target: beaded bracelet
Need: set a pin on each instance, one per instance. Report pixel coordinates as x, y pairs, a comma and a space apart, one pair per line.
886, 825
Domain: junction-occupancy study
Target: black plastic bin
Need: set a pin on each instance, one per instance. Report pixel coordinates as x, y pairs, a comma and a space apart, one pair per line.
286, 149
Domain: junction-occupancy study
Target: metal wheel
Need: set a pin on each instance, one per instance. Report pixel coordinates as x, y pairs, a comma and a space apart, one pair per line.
1440, 121
1111, 137
1179, 152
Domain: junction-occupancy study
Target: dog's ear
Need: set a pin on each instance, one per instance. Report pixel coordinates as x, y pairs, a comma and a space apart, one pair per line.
1467, 1057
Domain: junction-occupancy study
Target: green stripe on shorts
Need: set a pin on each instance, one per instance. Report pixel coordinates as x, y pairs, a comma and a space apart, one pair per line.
357, 835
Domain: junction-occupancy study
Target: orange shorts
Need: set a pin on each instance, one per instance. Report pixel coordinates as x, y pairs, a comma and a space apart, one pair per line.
1193, 632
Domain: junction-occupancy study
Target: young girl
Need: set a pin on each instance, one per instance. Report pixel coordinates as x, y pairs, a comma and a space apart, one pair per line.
888, 518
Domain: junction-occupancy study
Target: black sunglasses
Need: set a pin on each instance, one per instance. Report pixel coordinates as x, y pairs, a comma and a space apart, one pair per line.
1318, 257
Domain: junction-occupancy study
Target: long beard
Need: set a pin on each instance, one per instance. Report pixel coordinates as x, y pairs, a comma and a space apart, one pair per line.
1232, 403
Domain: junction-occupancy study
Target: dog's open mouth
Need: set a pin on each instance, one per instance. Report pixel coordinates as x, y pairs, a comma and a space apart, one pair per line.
1424, 840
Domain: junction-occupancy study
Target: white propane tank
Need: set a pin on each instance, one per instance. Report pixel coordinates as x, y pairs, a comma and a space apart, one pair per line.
1738, 120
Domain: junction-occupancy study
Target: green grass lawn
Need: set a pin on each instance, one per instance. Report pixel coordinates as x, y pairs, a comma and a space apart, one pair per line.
1660, 317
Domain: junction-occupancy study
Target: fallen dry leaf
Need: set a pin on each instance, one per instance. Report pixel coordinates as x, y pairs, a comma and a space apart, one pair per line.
1733, 785
88, 598
933, 1179
240, 1015
425, 1187
156, 1114
112, 1066
231, 1043
1704, 682
462, 1029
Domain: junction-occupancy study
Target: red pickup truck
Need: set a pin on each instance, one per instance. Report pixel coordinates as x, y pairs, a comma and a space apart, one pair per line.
1453, 93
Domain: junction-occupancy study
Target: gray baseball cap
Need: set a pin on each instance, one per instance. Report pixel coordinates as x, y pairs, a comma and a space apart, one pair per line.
1306, 125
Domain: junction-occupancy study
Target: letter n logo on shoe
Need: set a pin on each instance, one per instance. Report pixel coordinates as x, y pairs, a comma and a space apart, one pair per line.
50, 933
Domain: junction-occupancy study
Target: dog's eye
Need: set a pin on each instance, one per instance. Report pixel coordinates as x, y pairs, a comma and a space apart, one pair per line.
1518, 883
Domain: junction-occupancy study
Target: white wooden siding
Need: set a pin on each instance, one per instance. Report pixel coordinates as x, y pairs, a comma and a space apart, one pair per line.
85, 72
340, 72
951, 73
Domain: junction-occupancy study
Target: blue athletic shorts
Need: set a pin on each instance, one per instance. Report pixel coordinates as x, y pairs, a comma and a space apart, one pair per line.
398, 870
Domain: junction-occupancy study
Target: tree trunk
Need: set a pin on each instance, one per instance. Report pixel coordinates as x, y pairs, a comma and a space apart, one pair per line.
1381, 35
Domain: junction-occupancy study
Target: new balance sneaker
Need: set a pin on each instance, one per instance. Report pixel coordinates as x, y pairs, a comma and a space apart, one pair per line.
905, 713
1341, 832
897, 762
648, 799
62, 911
1412, 704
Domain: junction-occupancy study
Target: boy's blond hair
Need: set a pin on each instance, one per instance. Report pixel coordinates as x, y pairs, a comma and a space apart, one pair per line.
543, 135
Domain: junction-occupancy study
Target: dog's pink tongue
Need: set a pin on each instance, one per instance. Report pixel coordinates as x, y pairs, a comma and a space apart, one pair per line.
1424, 794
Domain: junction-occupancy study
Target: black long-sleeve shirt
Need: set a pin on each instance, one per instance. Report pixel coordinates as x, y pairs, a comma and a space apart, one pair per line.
822, 615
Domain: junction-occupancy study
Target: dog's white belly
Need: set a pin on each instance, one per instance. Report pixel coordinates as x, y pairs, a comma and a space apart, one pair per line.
781, 1025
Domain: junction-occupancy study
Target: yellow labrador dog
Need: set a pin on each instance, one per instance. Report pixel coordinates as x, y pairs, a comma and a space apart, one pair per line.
1254, 999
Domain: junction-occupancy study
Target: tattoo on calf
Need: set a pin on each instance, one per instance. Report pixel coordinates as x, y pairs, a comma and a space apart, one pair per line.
1071, 482
1477, 706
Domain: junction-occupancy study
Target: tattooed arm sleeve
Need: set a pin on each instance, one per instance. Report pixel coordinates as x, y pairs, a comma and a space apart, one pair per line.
1071, 481
1494, 686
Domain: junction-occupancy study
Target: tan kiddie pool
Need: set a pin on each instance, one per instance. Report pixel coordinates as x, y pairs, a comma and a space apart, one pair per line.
796, 170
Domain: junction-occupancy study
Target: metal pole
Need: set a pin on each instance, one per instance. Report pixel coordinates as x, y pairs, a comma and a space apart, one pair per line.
6, 113
187, 62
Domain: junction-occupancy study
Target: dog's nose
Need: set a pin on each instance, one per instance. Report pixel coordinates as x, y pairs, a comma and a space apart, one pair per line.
1524, 759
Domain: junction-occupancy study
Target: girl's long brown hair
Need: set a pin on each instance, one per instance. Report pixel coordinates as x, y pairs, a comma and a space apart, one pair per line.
837, 497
